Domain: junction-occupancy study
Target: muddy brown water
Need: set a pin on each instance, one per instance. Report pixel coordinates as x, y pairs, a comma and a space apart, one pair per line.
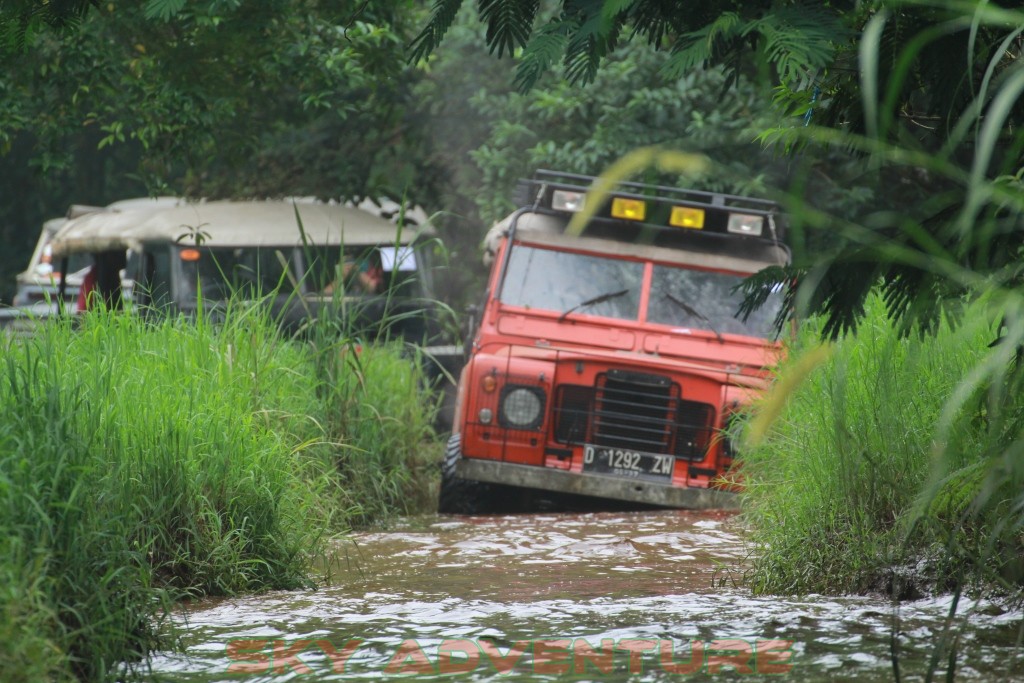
651, 596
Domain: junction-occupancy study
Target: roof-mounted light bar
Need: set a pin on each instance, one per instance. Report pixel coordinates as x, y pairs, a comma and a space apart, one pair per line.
686, 209
745, 224
686, 217
567, 200
629, 209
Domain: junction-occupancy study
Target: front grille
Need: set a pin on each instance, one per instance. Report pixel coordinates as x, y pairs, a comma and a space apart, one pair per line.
633, 411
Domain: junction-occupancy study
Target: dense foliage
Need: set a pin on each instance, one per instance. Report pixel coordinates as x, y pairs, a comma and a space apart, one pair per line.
212, 99
897, 132
321, 102
949, 149
891, 467
629, 105
793, 38
216, 86
142, 463
927, 93
485, 134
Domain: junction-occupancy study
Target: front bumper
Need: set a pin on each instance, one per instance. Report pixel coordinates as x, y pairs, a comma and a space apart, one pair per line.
600, 486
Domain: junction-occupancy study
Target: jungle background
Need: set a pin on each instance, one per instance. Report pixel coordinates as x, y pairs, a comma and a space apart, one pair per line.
342, 100
890, 130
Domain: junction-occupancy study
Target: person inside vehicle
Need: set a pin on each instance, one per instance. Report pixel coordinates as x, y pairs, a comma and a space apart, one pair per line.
360, 275
102, 284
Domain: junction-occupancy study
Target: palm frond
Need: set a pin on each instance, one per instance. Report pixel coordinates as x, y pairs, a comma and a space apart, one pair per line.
509, 23
20, 20
798, 40
542, 52
697, 48
441, 19
648, 19
587, 47
162, 9
614, 8
760, 286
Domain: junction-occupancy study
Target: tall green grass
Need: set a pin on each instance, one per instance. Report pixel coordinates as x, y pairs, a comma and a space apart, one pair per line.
901, 459
378, 419
378, 405
889, 467
380, 425
143, 462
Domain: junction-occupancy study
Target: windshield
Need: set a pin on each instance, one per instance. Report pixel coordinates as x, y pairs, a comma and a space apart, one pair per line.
565, 282
222, 271
586, 284
708, 301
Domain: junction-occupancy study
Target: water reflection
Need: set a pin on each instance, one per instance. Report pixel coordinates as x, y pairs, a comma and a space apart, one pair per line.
485, 583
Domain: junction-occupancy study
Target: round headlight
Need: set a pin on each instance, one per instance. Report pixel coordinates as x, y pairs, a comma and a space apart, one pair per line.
521, 407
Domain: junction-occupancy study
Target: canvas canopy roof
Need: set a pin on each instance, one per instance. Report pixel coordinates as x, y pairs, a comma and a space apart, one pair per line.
267, 223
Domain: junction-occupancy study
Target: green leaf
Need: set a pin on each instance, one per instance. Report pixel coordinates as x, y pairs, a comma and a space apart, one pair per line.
163, 9
869, 70
698, 48
543, 51
509, 23
613, 8
799, 40
441, 20
588, 45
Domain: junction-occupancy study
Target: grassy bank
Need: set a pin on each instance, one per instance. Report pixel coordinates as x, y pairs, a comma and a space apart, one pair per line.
142, 463
895, 465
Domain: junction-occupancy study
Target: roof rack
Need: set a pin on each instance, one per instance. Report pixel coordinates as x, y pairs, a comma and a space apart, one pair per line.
658, 206
578, 181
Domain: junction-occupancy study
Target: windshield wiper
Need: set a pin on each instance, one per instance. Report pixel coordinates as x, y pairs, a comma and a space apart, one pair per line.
599, 299
695, 313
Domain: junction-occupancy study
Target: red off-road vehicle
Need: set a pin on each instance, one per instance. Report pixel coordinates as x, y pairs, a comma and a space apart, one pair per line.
609, 364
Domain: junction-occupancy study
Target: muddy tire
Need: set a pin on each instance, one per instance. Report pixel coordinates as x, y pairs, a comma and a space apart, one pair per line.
458, 496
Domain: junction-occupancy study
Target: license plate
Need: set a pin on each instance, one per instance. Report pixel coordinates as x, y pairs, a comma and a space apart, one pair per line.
625, 463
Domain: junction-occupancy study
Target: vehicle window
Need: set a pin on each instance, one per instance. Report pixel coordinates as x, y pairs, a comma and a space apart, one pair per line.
706, 300
362, 270
248, 272
46, 266
321, 267
152, 274
404, 270
568, 282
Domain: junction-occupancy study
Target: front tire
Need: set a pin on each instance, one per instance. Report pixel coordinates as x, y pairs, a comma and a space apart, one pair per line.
458, 496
